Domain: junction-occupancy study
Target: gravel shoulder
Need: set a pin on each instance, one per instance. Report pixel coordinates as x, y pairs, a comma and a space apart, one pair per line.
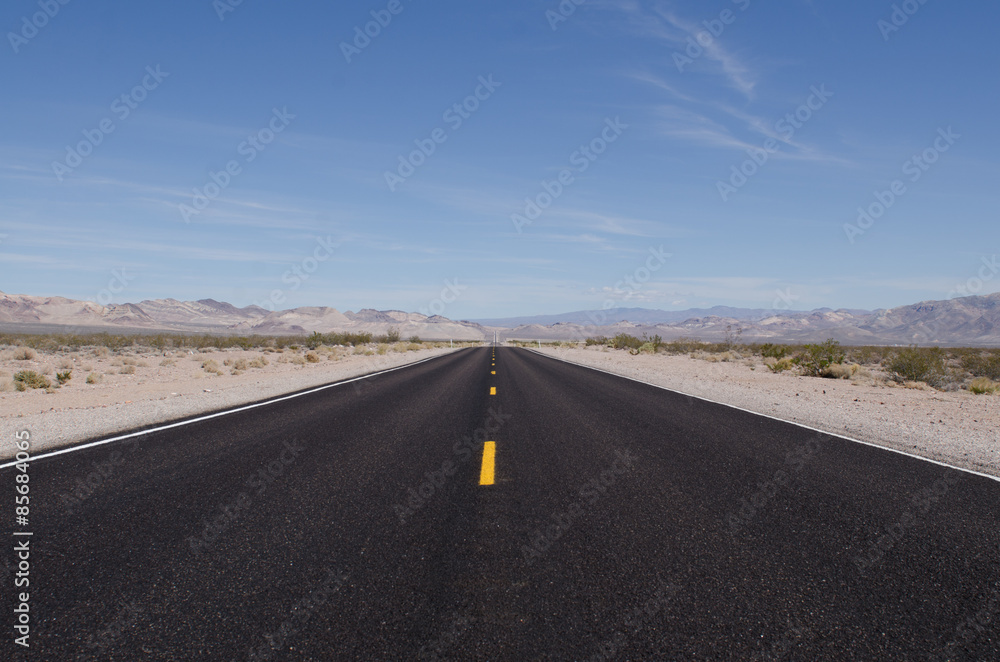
137, 389
958, 428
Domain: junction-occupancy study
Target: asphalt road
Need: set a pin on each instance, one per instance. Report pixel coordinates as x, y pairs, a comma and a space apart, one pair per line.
623, 522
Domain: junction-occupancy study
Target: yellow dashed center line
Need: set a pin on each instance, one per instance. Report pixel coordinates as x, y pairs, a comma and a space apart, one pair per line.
493, 390
493, 372
489, 459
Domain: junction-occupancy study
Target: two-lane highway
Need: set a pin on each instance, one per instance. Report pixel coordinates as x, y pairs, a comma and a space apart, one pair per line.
498, 504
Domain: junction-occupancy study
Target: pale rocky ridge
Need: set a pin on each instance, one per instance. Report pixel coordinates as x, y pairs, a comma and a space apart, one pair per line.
971, 320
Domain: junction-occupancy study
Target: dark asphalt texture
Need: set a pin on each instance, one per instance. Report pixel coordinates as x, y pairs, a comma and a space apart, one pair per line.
626, 522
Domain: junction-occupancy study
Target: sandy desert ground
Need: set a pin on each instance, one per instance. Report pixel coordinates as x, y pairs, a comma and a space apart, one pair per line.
957, 427
133, 388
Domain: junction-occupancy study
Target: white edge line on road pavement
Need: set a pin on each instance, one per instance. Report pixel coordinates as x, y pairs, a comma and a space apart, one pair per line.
101, 442
775, 418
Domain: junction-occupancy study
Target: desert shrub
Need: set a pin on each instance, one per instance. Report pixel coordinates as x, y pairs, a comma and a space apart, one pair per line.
682, 346
127, 370
24, 354
868, 355
917, 364
390, 336
63, 377
656, 342
414, 339
596, 340
258, 362
297, 360
236, 364
30, 379
814, 359
312, 357
983, 364
100, 352
771, 351
65, 364
382, 348
94, 378
781, 365
625, 341
983, 385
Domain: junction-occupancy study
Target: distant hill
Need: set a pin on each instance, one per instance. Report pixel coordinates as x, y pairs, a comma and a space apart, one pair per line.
966, 321
639, 316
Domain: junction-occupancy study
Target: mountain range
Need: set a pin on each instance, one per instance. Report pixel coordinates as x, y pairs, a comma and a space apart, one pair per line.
973, 320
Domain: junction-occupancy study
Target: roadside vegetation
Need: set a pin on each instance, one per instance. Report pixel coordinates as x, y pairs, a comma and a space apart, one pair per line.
944, 368
36, 354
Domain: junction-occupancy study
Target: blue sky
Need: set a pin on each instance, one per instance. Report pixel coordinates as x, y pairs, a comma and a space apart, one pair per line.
120, 222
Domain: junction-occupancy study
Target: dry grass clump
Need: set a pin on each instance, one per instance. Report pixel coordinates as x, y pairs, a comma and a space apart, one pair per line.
983, 386
127, 370
211, 367
65, 364
312, 357
297, 360
24, 354
101, 352
166, 363
258, 362
839, 371
94, 378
